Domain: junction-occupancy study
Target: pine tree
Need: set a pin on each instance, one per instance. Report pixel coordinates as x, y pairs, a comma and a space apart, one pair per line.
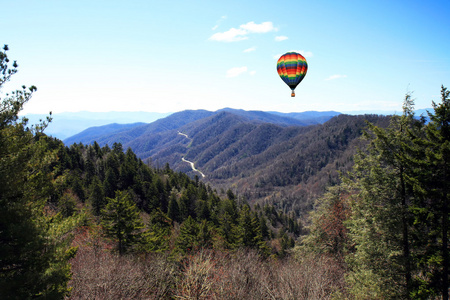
110, 183
33, 258
122, 222
173, 210
204, 236
248, 232
439, 133
187, 239
158, 235
430, 209
128, 169
226, 231
96, 196
328, 232
380, 212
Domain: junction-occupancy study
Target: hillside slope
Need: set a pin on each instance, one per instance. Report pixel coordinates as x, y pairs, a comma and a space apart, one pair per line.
267, 158
285, 166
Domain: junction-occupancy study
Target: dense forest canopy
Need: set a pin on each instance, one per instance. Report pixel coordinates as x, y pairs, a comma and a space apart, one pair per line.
71, 216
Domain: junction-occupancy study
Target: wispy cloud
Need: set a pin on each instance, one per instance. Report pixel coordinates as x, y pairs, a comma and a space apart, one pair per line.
250, 49
281, 38
239, 34
233, 72
252, 73
336, 76
264, 27
232, 35
222, 18
306, 54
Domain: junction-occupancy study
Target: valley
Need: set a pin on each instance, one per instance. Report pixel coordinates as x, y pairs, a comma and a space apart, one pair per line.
187, 161
266, 158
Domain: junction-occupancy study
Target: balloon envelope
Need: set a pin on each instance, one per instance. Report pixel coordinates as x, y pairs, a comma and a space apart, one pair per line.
292, 68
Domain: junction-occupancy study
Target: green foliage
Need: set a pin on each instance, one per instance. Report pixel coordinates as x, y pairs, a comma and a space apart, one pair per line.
161, 194
389, 217
248, 233
379, 225
430, 206
34, 245
121, 221
328, 233
187, 239
96, 196
173, 211
159, 230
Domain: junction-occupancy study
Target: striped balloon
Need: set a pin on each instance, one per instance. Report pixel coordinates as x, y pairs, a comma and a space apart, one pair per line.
292, 69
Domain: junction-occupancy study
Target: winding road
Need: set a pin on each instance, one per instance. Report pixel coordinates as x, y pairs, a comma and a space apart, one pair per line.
190, 162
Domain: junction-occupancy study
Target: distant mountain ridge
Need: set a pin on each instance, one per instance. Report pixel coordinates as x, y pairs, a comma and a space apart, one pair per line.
179, 119
67, 124
170, 122
284, 159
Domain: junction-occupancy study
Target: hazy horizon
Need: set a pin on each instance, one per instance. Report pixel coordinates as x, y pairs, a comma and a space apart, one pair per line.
148, 56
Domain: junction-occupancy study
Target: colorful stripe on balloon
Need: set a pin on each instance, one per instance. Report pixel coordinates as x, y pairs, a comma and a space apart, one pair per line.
292, 68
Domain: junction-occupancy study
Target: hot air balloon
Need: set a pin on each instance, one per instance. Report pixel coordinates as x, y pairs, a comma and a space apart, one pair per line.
292, 69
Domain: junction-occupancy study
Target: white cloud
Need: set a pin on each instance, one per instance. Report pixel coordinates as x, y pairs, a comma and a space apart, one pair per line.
233, 72
264, 27
336, 76
232, 35
281, 38
252, 73
250, 49
239, 34
306, 54
222, 18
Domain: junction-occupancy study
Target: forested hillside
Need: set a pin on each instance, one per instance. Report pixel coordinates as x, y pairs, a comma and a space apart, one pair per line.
387, 221
265, 157
88, 221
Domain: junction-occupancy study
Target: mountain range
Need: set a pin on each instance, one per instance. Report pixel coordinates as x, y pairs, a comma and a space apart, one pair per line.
67, 124
268, 157
124, 133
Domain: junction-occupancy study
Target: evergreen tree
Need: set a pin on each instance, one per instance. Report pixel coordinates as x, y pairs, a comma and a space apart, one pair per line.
439, 134
158, 235
89, 169
226, 231
187, 239
128, 169
173, 210
110, 183
431, 183
264, 228
328, 232
380, 266
121, 221
77, 187
248, 231
201, 210
96, 196
33, 258
67, 204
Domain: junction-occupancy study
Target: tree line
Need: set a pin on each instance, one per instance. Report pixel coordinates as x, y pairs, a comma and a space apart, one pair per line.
387, 222
50, 193
382, 227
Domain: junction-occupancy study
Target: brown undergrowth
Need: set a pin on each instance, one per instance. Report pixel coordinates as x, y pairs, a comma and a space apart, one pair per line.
99, 273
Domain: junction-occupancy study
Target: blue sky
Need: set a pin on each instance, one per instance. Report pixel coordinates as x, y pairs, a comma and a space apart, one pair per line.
167, 56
